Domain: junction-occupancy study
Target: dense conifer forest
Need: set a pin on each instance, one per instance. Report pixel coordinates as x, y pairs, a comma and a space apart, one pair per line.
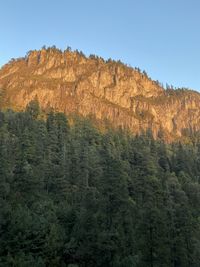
72, 195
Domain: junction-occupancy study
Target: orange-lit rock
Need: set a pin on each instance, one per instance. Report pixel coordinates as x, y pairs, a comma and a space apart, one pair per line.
70, 82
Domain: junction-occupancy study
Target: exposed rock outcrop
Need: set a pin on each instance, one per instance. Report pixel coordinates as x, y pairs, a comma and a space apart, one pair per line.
70, 82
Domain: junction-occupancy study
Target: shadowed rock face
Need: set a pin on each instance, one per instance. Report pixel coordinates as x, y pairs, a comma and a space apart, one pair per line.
70, 82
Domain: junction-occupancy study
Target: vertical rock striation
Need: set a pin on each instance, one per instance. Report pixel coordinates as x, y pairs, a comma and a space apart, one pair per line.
70, 82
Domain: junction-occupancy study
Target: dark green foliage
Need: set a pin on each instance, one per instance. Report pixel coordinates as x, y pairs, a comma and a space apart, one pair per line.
33, 109
72, 196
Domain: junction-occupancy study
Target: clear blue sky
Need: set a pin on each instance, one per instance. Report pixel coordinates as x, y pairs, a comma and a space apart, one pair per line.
159, 36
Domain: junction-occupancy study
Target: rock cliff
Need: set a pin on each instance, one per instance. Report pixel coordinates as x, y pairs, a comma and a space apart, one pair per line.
70, 82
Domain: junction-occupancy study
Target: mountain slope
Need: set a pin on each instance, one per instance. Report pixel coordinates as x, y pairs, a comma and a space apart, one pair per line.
70, 82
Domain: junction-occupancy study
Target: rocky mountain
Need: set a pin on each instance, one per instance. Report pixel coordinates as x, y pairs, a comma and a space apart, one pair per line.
71, 82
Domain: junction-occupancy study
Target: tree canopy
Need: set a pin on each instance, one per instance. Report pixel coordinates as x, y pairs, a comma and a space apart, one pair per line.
71, 195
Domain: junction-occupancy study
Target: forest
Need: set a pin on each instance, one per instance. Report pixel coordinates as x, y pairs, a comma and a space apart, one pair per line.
72, 195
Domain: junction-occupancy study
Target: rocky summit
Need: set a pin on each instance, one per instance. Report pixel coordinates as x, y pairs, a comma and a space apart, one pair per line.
70, 82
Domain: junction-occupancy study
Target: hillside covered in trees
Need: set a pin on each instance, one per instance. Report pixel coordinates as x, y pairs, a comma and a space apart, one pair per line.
72, 195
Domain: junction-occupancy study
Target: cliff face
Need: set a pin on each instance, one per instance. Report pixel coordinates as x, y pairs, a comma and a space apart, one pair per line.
70, 82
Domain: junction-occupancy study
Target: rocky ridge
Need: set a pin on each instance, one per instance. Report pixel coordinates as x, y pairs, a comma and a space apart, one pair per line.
71, 82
